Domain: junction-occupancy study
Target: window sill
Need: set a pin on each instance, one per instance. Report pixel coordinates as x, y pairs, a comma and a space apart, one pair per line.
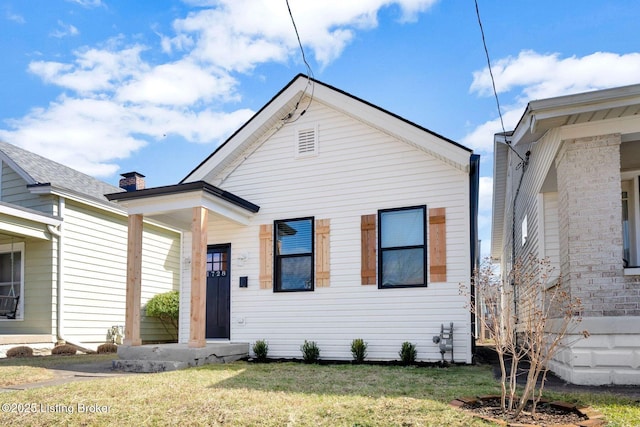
632, 271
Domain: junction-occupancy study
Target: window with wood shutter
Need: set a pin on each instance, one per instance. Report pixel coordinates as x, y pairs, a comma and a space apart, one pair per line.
437, 245
266, 256
293, 255
322, 253
402, 251
368, 249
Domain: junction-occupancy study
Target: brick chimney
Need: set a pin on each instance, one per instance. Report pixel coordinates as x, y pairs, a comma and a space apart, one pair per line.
132, 181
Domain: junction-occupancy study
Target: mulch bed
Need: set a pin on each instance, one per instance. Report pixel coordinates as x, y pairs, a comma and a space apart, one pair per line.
548, 413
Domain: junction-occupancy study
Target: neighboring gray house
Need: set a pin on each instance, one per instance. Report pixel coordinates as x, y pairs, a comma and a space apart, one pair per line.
577, 203
63, 252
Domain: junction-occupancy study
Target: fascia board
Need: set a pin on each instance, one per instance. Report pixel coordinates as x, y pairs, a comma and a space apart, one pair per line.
249, 131
177, 202
397, 128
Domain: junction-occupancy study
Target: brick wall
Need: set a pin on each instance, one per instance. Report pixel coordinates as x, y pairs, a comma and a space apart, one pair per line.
589, 207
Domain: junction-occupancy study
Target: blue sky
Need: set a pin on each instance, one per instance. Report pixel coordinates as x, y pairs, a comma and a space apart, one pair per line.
111, 86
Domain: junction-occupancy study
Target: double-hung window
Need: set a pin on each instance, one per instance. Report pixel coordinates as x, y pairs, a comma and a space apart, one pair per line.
402, 247
294, 254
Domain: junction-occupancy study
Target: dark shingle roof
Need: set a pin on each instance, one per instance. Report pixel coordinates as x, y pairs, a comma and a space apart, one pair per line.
45, 171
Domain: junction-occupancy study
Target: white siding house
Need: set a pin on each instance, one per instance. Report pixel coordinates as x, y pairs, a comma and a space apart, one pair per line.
327, 219
63, 249
578, 192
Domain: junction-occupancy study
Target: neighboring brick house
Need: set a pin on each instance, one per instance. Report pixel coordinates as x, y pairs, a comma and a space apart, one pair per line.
577, 203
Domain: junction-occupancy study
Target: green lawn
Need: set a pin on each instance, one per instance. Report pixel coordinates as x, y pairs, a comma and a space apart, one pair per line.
278, 394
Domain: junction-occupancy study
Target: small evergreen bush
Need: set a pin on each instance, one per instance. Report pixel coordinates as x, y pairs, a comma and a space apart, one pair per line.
358, 350
310, 351
20, 351
64, 350
166, 307
408, 353
107, 348
260, 349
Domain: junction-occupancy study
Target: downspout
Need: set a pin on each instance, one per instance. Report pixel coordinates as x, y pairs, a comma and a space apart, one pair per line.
59, 234
524, 165
474, 189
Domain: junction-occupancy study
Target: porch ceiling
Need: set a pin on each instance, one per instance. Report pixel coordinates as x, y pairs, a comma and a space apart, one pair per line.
173, 205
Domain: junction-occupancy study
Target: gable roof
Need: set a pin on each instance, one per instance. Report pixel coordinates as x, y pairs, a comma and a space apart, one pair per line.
285, 105
39, 171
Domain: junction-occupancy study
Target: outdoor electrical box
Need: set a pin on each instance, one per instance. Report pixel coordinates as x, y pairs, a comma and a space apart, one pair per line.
244, 281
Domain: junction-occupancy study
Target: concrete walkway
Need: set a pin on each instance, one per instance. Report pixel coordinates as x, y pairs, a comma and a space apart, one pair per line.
73, 372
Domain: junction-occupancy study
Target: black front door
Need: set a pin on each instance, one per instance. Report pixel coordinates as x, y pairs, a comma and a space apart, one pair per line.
218, 291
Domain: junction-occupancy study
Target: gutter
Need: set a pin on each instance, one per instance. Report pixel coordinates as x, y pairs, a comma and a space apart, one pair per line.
59, 233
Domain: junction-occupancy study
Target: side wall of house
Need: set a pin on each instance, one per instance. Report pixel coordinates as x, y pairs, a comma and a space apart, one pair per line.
357, 171
95, 246
13, 189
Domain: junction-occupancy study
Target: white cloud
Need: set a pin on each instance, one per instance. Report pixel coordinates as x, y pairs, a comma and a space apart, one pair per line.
178, 83
93, 70
531, 76
88, 3
15, 17
64, 30
236, 40
115, 100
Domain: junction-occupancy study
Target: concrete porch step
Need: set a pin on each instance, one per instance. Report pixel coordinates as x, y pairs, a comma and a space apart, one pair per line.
170, 357
148, 366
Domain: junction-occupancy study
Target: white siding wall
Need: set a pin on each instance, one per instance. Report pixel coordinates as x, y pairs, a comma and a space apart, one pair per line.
358, 170
95, 272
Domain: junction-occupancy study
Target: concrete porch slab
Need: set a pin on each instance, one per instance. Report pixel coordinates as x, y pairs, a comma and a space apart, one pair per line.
169, 357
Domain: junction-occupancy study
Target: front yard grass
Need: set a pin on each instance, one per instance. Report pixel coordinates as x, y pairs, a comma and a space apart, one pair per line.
276, 394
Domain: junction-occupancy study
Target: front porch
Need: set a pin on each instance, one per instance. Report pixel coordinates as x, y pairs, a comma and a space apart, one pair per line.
185, 207
171, 357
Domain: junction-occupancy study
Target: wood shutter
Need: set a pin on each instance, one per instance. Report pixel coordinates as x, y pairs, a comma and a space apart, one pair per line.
322, 253
266, 256
437, 245
368, 249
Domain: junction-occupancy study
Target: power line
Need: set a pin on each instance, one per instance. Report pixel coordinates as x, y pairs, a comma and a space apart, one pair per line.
309, 74
493, 82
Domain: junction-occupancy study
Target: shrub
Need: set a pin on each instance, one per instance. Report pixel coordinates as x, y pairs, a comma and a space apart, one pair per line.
64, 350
358, 350
107, 348
260, 349
310, 351
20, 351
166, 308
408, 353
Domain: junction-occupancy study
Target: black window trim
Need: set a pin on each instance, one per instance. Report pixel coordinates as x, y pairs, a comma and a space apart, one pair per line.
424, 246
276, 257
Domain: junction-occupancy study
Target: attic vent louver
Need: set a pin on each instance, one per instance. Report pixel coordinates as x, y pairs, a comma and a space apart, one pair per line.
307, 142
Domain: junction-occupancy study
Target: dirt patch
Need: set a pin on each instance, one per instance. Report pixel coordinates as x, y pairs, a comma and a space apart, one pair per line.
547, 413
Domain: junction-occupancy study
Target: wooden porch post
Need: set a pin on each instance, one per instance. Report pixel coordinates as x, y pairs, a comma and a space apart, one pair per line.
198, 277
134, 281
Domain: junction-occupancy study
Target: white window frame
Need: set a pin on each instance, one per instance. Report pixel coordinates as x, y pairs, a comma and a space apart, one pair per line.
634, 219
16, 247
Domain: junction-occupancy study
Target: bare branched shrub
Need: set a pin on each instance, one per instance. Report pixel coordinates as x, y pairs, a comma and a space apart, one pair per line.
527, 314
